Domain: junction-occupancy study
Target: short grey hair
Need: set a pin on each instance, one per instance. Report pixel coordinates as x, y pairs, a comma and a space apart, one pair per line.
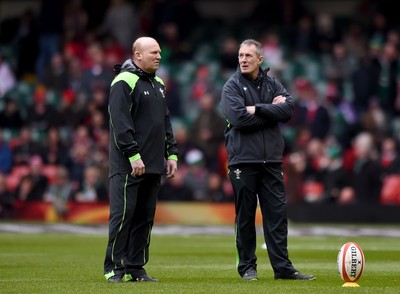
249, 42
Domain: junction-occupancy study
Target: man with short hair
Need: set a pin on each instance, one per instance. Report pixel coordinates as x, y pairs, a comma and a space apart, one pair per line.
254, 105
142, 147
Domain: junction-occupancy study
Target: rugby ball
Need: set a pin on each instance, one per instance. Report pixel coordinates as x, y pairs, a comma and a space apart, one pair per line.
350, 262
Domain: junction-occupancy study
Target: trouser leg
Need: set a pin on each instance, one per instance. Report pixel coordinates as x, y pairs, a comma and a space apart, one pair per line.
273, 206
121, 203
243, 181
132, 210
142, 223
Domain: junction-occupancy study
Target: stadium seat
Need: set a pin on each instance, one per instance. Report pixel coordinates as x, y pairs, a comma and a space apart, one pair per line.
390, 192
313, 191
20, 170
12, 181
50, 171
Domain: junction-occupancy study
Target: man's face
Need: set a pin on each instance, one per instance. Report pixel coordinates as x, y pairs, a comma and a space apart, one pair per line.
249, 60
149, 56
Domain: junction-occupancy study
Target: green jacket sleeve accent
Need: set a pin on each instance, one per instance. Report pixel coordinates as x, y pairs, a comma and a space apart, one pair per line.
173, 157
134, 157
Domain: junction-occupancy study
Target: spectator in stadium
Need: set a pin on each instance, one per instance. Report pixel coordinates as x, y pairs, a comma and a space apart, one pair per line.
338, 67
378, 27
315, 162
80, 153
196, 174
362, 84
6, 160
343, 116
336, 178
25, 38
375, 120
60, 192
228, 56
6, 199
7, 76
71, 115
176, 189
174, 49
41, 114
303, 38
10, 116
24, 146
97, 124
183, 140
273, 52
254, 104
309, 112
386, 68
216, 191
389, 156
327, 32
75, 70
96, 74
97, 102
142, 148
51, 19
121, 22
33, 185
75, 21
207, 130
355, 39
99, 154
53, 149
174, 96
55, 74
201, 85
366, 176
92, 189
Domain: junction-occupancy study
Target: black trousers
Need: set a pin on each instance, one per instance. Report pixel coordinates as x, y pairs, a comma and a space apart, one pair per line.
263, 184
132, 209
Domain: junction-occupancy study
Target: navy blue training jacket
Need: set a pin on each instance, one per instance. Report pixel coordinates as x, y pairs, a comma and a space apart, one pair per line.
254, 138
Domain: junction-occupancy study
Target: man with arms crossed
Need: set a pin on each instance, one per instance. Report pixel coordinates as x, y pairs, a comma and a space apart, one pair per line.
254, 105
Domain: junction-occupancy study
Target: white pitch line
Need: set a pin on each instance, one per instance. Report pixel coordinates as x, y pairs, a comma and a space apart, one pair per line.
311, 230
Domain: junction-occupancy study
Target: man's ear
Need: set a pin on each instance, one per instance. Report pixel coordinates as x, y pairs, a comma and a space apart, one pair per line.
137, 55
260, 60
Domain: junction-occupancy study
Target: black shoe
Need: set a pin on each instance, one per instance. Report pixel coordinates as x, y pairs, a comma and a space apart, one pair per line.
114, 279
142, 278
295, 276
250, 275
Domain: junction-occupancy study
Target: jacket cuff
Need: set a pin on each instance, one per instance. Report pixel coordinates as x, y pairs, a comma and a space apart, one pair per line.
173, 157
134, 157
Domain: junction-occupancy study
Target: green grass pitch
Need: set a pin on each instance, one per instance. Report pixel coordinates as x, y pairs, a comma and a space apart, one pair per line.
72, 263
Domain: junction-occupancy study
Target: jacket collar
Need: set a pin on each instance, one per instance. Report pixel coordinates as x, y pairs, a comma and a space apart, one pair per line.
130, 66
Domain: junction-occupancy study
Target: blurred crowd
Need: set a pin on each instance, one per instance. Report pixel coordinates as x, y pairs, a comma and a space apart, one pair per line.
56, 66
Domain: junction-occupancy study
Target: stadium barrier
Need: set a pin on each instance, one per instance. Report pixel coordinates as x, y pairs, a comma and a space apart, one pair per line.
195, 213
186, 213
